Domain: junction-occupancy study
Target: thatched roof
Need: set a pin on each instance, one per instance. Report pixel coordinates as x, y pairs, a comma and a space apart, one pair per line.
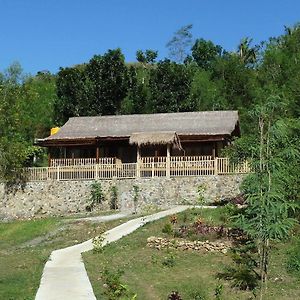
155, 138
205, 123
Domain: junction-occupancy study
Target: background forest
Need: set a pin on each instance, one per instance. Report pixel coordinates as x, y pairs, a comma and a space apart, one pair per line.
198, 75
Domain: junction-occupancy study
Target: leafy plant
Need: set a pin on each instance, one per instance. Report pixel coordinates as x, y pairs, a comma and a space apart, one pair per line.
114, 197
169, 260
114, 288
135, 197
242, 273
96, 196
98, 243
293, 259
167, 228
200, 192
113, 284
219, 291
268, 213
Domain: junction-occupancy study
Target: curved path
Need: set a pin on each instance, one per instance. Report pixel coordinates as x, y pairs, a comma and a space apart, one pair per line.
64, 276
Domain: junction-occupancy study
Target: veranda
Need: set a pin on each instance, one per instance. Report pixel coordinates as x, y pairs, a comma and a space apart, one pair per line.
145, 167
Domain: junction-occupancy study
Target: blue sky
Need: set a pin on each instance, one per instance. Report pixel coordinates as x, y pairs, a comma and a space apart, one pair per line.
48, 34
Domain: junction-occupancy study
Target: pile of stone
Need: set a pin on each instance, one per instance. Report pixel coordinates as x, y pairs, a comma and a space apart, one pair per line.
181, 244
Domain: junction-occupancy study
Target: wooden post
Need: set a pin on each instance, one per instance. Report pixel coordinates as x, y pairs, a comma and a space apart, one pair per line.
138, 162
96, 172
97, 154
216, 166
214, 150
49, 158
168, 161
57, 173
152, 172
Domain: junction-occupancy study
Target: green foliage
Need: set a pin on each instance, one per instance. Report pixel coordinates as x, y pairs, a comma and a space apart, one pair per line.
108, 79
242, 272
146, 57
219, 291
169, 260
114, 288
135, 197
97, 88
200, 192
96, 196
114, 197
98, 243
268, 215
167, 228
179, 45
293, 259
205, 53
73, 94
169, 87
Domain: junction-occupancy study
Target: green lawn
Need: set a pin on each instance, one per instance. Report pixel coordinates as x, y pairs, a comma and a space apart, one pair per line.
193, 274
26, 245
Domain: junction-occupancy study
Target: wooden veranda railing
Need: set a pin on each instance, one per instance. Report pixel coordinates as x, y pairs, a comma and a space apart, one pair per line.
178, 166
66, 162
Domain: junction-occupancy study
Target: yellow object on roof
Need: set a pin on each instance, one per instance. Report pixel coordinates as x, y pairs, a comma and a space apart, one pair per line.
54, 130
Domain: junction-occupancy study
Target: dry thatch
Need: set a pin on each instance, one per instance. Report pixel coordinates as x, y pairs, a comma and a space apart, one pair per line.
155, 138
204, 123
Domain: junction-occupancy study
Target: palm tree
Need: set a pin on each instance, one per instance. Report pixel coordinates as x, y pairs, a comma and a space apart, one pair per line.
246, 53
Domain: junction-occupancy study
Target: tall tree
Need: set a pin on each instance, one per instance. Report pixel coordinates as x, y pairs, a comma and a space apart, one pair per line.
246, 53
180, 44
12, 143
39, 95
273, 153
169, 86
109, 82
137, 97
73, 94
205, 53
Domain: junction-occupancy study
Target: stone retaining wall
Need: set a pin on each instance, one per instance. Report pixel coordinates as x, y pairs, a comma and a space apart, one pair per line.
160, 243
65, 197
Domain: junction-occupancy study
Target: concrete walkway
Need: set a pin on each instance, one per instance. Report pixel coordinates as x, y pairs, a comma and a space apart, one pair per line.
64, 276
106, 218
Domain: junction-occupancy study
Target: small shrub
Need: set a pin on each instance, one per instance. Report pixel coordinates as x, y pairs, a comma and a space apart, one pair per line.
174, 296
114, 197
242, 273
135, 197
96, 196
293, 259
219, 291
200, 192
98, 243
167, 229
230, 210
114, 288
169, 260
113, 284
184, 217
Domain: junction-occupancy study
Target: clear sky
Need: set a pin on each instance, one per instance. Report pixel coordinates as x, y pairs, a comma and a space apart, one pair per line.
48, 34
